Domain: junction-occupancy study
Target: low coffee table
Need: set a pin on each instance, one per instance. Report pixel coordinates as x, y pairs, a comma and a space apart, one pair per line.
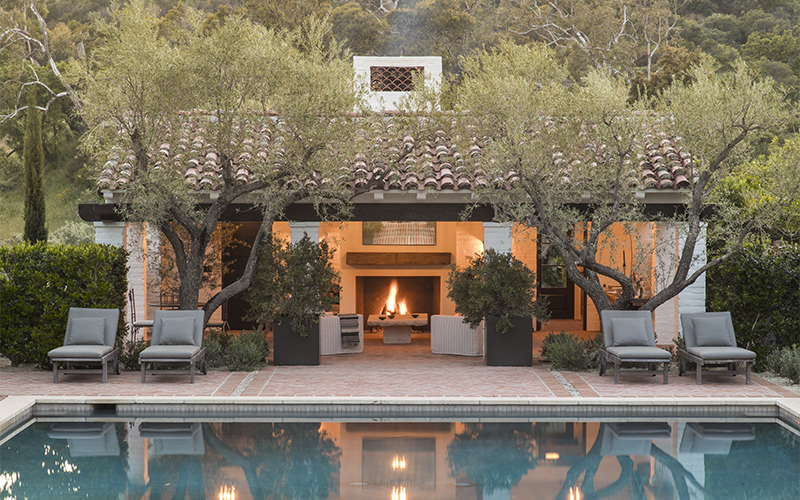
397, 329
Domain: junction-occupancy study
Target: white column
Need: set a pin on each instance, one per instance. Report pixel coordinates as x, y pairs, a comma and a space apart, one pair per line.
109, 233
693, 298
300, 229
137, 456
153, 271
666, 257
137, 272
497, 236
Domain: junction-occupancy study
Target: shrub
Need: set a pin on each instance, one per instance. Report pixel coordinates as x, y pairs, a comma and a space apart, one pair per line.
786, 363
217, 344
129, 354
73, 233
38, 285
494, 284
761, 288
294, 280
247, 352
566, 352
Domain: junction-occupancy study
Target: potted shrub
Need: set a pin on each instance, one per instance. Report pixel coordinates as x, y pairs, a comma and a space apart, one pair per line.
292, 288
502, 290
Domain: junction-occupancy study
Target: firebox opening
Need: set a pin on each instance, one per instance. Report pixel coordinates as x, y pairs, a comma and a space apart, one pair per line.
420, 293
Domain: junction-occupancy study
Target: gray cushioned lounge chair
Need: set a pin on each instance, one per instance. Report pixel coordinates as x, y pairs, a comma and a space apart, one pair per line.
714, 438
710, 340
177, 338
174, 438
89, 339
631, 438
87, 439
629, 338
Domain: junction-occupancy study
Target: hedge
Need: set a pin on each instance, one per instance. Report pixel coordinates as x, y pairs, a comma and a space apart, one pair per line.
38, 285
760, 286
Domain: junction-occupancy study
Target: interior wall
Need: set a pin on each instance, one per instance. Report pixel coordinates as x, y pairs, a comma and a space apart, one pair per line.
460, 239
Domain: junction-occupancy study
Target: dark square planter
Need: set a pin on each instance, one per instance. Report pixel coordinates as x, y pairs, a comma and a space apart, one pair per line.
512, 348
292, 349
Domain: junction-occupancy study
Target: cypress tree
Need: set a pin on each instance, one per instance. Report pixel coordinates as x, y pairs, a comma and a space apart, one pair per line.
33, 155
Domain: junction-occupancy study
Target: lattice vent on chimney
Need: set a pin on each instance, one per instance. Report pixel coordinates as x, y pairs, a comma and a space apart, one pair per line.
393, 78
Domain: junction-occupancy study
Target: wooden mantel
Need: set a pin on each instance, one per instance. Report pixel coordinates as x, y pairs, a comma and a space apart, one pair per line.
398, 258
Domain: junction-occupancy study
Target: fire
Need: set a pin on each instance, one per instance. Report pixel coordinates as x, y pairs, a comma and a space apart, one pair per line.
392, 307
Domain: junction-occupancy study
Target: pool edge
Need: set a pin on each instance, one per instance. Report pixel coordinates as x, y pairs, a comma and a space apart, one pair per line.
17, 409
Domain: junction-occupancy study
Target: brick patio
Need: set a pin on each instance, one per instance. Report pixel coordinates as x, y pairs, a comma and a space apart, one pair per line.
391, 371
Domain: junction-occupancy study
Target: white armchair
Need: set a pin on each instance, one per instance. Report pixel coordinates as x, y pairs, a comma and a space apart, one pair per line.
450, 335
330, 336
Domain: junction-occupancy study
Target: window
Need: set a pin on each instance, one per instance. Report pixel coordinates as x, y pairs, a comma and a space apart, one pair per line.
399, 233
393, 78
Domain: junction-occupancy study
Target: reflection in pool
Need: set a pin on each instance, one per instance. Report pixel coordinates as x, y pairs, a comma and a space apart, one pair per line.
151, 459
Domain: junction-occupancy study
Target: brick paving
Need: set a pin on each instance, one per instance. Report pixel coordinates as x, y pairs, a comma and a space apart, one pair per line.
392, 371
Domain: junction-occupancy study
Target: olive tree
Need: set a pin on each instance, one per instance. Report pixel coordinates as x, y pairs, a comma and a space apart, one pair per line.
273, 110
566, 158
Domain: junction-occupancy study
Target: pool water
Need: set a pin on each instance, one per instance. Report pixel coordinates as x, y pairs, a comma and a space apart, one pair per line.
158, 459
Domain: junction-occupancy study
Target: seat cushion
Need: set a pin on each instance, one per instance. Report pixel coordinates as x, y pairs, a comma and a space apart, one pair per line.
629, 332
86, 331
711, 331
80, 351
712, 353
177, 331
169, 352
640, 352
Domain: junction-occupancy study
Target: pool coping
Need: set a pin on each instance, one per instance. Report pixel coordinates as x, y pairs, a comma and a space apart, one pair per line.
16, 410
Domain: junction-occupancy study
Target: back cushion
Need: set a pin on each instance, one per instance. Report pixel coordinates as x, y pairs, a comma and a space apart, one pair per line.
629, 332
87, 331
711, 332
177, 331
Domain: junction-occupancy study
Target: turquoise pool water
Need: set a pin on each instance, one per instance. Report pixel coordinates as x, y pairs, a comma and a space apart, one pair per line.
158, 459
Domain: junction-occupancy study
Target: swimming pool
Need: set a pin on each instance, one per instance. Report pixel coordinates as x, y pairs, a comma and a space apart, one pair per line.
104, 455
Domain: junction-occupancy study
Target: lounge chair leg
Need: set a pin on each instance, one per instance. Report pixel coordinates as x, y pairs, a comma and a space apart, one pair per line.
191, 372
602, 365
682, 368
616, 373
666, 370
144, 367
55, 372
747, 372
699, 374
105, 372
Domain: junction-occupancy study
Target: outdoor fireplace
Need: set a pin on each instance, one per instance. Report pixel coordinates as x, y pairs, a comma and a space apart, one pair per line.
421, 294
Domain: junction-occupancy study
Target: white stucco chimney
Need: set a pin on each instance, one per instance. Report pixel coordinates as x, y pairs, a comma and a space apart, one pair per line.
389, 78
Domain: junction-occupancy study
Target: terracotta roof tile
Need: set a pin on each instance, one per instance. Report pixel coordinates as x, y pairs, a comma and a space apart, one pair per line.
434, 164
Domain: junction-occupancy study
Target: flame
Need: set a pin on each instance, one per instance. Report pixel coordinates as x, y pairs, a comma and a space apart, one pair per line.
398, 463
399, 493
227, 494
574, 494
403, 308
391, 302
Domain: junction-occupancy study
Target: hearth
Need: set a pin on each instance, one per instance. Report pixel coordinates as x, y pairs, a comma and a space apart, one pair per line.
421, 295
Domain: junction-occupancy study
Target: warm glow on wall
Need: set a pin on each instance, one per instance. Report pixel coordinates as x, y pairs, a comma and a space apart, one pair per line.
552, 456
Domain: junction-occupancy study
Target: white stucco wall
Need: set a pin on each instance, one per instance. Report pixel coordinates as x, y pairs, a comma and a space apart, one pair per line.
693, 298
388, 101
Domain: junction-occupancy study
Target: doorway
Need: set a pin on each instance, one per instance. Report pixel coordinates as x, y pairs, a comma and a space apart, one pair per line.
553, 282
